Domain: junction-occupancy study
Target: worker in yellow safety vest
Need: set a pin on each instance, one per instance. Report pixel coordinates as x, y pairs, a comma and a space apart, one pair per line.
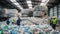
53, 22
13, 20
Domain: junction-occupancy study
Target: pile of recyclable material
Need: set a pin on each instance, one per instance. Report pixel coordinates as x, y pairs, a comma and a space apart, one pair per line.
1, 31
54, 32
4, 27
28, 29
13, 31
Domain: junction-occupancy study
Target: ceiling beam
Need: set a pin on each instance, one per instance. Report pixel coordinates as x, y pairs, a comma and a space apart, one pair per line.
6, 4
23, 3
9, 5
35, 2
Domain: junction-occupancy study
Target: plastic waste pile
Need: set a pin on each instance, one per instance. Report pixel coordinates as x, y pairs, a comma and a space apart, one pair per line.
27, 29
1, 31
54, 32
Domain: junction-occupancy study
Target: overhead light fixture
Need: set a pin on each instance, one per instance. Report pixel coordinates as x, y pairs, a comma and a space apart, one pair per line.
29, 4
44, 2
28, 1
13, 0
16, 3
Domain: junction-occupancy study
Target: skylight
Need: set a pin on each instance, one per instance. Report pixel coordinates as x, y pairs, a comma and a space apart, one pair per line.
44, 2
29, 4
16, 3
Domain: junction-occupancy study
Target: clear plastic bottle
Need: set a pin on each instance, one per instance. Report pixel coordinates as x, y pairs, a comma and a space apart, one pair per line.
1, 31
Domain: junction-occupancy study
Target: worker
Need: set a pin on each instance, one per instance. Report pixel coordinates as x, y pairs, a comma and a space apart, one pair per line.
7, 22
53, 22
13, 20
18, 21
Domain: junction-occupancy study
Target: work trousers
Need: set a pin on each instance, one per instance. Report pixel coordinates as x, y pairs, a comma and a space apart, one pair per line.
53, 25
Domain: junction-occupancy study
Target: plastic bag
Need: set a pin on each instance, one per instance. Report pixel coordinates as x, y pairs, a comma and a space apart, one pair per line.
1, 31
27, 33
41, 32
5, 27
54, 32
13, 32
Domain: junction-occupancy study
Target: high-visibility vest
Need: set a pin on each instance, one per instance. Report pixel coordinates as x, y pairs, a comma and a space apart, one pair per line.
12, 20
53, 21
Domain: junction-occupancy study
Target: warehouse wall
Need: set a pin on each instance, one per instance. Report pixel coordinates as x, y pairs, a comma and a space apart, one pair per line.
2, 12
55, 11
12, 12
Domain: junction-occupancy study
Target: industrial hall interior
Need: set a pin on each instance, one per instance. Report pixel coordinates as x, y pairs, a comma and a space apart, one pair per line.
29, 16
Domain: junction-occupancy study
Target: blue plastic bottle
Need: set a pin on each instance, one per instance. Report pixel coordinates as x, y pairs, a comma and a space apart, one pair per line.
13, 32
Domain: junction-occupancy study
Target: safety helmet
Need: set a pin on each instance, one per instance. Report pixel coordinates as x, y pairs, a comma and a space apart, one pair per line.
54, 17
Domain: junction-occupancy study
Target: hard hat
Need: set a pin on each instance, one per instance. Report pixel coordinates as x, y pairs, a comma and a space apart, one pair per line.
54, 17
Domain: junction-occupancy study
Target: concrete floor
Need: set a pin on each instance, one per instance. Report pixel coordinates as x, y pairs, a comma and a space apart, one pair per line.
58, 28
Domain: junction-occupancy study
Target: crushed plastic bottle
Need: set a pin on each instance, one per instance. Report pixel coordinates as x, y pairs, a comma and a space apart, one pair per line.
1, 31
54, 32
13, 32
